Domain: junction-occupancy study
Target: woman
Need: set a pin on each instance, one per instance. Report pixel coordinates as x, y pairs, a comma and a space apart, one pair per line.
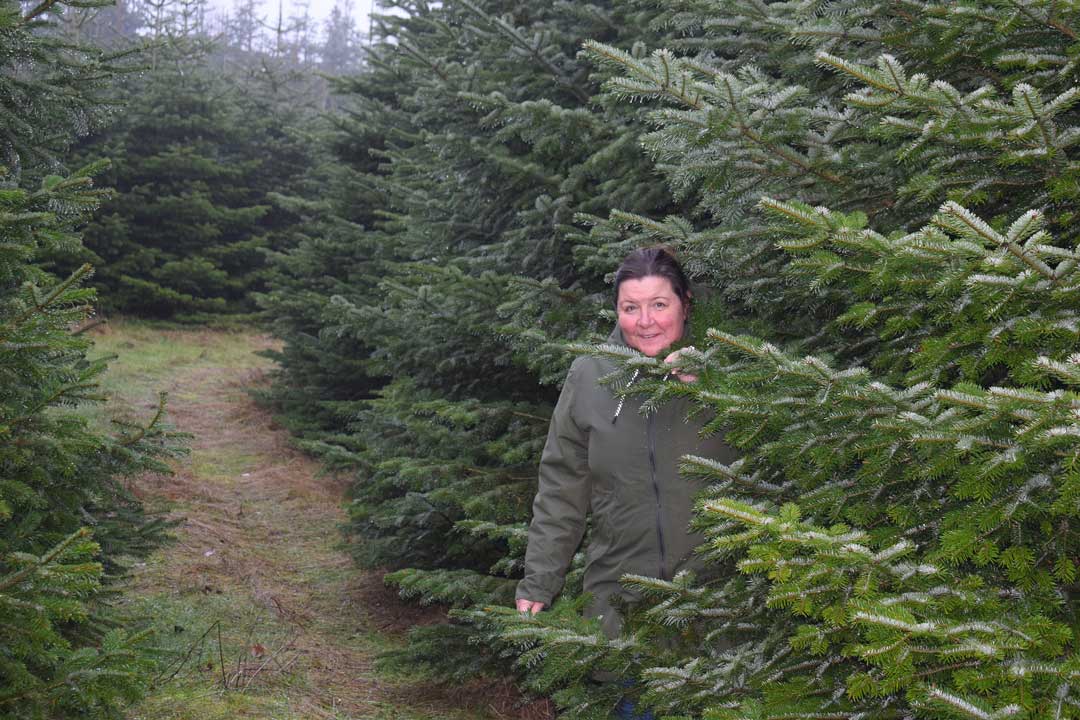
602, 455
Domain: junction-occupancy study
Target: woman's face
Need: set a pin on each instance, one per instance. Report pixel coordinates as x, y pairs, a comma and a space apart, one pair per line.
651, 315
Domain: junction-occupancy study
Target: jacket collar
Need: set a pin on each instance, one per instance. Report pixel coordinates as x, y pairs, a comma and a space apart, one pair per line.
616, 336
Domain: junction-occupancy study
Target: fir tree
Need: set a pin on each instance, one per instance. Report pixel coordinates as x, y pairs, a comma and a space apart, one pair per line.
897, 541
416, 327
194, 158
61, 654
208, 136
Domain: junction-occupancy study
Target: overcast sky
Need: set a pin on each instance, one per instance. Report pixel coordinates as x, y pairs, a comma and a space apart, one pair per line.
319, 9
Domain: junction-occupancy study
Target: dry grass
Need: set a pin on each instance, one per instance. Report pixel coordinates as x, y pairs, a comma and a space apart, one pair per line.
259, 611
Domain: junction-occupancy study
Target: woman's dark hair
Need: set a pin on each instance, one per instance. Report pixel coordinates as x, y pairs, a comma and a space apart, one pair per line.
657, 260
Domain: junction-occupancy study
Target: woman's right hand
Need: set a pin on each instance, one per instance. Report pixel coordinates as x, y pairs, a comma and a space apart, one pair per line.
529, 606
673, 359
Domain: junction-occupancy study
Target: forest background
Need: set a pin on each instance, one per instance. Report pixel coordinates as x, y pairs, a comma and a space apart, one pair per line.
877, 199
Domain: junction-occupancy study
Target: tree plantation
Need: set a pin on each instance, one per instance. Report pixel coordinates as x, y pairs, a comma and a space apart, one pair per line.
877, 204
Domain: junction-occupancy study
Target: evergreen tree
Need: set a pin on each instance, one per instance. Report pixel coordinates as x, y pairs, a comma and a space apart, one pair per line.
468, 146
62, 654
890, 191
194, 156
242, 26
342, 48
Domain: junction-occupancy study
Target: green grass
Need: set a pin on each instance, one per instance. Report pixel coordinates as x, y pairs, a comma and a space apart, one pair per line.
205, 619
145, 358
221, 463
200, 634
191, 685
200, 703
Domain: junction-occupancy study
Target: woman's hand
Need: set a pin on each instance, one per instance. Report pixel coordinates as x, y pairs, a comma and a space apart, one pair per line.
529, 606
673, 359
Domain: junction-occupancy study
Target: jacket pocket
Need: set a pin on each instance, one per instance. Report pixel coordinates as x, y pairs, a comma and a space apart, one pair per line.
601, 536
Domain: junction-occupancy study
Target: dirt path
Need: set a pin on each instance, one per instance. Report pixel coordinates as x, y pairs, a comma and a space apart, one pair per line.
260, 612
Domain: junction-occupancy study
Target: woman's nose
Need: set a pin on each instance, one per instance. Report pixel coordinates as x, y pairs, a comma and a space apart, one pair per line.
645, 317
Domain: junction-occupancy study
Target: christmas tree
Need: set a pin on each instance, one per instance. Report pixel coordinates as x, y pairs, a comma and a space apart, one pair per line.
417, 327
885, 204
67, 519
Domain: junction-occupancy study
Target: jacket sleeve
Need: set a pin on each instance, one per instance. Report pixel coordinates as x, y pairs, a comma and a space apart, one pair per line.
561, 502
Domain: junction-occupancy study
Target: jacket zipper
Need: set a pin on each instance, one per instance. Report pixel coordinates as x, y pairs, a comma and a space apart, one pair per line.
650, 435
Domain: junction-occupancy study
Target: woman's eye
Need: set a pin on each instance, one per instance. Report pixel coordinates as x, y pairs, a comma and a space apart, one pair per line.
629, 308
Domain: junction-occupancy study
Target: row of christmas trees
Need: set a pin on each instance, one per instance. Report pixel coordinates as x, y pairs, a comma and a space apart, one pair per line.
211, 123
200, 133
68, 523
882, 198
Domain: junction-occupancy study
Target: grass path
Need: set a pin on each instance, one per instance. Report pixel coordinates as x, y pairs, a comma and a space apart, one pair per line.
259, 614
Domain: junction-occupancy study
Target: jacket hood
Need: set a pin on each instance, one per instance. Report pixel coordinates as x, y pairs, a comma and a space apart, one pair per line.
616, 336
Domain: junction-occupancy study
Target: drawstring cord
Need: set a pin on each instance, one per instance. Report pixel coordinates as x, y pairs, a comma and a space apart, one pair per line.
618, 408
637, 371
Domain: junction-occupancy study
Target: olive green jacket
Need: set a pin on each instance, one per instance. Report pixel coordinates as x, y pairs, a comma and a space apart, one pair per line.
622, 466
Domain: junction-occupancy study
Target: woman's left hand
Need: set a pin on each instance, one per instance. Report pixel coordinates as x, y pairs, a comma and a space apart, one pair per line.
673, 359
529, 607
